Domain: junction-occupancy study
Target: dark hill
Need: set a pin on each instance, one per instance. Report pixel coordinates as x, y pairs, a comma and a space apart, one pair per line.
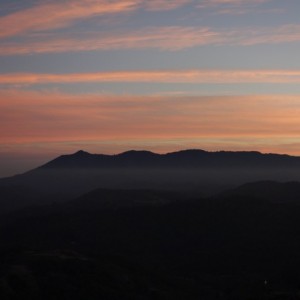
186, 159
272, 191
195, 172
116, 199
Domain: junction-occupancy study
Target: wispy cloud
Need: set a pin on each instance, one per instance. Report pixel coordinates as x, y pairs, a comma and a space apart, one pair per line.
244, 10
158, 5
165, 38
231, 6
168, 38
231, 2
236, 2
57, 14
49, 15
159, 76
284, 34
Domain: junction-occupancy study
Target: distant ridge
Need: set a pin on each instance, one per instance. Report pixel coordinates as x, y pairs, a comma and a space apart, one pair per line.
194, 172
273, 191
192, 158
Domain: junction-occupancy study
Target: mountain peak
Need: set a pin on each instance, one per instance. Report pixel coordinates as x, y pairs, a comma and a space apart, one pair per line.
135, 153
81, 152
190, 158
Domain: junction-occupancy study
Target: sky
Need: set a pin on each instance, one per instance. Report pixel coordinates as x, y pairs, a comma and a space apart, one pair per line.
107, 76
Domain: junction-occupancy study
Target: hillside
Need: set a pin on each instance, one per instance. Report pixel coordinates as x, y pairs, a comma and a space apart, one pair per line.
151, 245
194, 172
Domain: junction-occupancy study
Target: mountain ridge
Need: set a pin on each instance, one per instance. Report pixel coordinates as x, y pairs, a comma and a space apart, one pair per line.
193, 172
182, 158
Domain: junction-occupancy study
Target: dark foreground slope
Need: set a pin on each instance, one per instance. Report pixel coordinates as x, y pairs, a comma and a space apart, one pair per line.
151, 245
196, 172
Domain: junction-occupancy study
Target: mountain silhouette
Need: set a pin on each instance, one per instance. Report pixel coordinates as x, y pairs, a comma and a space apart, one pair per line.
194, 172
141, 225
187, 158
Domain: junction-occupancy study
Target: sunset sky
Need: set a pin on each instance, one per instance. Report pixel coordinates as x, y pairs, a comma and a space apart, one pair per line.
107, 76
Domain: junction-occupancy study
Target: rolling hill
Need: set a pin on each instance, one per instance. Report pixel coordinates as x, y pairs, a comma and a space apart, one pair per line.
194, 172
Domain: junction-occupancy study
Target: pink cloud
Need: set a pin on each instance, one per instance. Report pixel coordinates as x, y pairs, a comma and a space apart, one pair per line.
31, 117
50, 15
165, 38
55, 122
57, 14
159, 76
169, 38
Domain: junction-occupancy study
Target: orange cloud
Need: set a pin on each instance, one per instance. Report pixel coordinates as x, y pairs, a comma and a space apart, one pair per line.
50, 15
48, 124
58, 14
169, 38
31, 117
165, 38
159, 76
